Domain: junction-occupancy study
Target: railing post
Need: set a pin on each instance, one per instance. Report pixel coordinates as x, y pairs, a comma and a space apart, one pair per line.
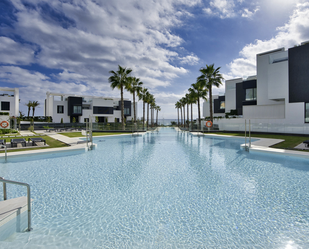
249, 134
29, 207
245, 133
4, 190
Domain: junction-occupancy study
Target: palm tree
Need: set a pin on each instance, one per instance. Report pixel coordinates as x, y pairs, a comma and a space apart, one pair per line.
134, 86
199, 92
183, 104
142, 95
34, 105
191, 100
29, 105
119, 79
178, 106
188, 102
152, 105
148, 101
210, 77
158, 108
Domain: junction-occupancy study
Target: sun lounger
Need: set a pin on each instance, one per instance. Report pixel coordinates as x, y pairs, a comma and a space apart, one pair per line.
2, 141
35, 140
306, 143
16, 141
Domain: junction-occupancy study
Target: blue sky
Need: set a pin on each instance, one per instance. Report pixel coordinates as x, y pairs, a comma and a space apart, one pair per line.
69, 46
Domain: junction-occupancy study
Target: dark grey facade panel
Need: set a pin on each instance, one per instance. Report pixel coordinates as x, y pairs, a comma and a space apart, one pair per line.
217, 105
250, 102
249, 84
240, 97
74, 101
103, 110
127, 104
299, 74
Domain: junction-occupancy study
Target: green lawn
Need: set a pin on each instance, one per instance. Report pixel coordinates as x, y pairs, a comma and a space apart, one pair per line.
50, 141
79, 134
289, 143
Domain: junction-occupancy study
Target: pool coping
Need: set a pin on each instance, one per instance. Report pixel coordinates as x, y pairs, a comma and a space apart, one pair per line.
262, 145
72, 142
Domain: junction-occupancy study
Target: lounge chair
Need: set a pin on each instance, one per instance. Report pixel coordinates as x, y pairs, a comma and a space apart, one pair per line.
16, 141
306, 143
2, 141
36, 139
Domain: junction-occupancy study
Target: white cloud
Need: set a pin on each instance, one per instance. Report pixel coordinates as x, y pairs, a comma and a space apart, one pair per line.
295, 31
15, 53
85, 39
231, 8
247, 13
191, 59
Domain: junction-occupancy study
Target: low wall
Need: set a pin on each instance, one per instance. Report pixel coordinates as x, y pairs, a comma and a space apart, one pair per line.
262, 125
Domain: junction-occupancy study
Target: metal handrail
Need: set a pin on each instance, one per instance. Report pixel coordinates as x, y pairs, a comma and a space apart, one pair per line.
6, 153
249, 138
28, 196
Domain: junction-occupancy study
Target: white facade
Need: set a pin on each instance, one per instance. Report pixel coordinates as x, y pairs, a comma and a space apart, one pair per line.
9, 102
272, 106
57, 106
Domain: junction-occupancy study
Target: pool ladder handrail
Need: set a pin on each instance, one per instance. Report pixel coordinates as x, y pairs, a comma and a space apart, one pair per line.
249, 145
4, 181
6, 153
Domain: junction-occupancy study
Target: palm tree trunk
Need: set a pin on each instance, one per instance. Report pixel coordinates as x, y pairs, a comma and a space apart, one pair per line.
33, 110
147, 116
191, 115
134, 107
188, 115
199, 115
178, 116
184, 115
157, 117
143, 115
181, 115
210, 103
122, 108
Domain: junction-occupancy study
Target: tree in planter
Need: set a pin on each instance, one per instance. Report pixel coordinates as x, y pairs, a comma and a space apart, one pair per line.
73, 120
119, 79
29, 105
210, 77
61, 121
34, 105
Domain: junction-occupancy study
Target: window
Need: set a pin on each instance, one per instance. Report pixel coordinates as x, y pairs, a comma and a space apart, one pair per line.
86, 120
222, 105
77, 109
306, 112
5, 106
126, 111
103, 110
59, 108
250, 94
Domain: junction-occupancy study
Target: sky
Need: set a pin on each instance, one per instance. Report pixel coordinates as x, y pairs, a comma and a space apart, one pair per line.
69, 46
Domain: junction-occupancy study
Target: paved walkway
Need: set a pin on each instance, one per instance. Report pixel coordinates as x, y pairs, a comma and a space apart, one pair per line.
26, 133
65, 139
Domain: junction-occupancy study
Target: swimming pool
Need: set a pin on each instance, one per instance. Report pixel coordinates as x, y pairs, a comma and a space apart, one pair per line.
164, 190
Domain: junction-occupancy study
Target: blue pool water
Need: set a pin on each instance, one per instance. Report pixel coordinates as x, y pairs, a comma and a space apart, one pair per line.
164, 190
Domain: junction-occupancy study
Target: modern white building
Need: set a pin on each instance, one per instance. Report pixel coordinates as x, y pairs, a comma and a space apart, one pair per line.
69, 107
9, 102
275, 100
